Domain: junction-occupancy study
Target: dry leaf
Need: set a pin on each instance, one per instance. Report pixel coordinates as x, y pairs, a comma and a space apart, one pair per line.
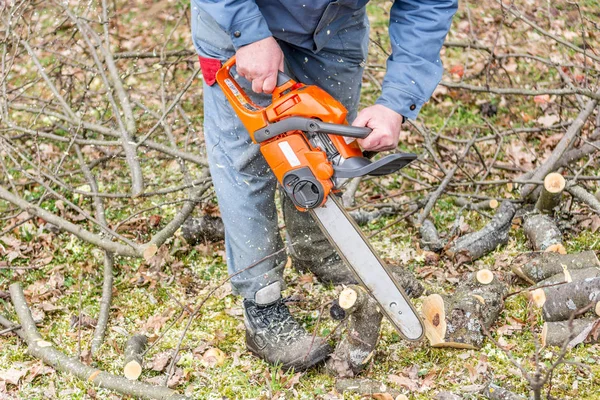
160, 361
541, 99
548, 120
213, 357
404, 382
382, 396
150, 251
12, 376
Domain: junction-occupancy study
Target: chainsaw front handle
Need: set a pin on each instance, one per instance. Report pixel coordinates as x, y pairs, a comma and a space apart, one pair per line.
309, 125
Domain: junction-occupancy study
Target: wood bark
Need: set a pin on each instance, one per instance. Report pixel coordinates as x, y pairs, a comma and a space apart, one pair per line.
461, 320
585, 197
539, 266
134, 350
552, 189
543, 234
40, 348
571, 276
560, 302
356, 349
430, 239
477, 244
573, 332
407, 280
204, 229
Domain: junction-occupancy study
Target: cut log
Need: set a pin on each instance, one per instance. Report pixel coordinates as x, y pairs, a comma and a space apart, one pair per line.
356, 349
407, 280
430, 239
495, 392
559, 302
574, 332
364, 387
459, 320
134, 350
204, 229
571, 276
483, 205
551, 192
539, 266
477, 244
543, 234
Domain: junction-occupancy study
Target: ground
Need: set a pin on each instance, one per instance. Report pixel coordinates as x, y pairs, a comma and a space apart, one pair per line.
66, 280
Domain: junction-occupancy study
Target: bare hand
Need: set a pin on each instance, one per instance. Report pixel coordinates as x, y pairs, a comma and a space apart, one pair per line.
386, 125
259, 62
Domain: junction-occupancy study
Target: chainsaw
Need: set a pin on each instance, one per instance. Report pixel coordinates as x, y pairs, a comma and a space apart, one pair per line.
305, 139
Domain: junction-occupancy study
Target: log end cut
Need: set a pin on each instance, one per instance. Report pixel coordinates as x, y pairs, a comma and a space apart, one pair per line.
484, 276
132, 370
538, 296
434, 319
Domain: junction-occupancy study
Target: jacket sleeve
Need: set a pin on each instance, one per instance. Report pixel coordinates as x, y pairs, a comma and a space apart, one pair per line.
417, 31
241, 19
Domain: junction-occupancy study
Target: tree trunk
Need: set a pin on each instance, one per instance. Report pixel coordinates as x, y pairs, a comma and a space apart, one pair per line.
571, 276
560, 332
204, 229
430, 239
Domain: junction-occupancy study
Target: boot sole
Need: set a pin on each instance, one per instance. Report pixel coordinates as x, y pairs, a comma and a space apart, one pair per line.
297, 364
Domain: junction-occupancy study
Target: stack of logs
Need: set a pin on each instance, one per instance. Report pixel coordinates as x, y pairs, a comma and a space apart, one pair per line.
563, 285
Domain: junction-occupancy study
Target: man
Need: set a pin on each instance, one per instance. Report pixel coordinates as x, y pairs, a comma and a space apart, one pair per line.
319, 42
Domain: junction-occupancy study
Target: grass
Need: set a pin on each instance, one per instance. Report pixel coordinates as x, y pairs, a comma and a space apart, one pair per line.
144, 296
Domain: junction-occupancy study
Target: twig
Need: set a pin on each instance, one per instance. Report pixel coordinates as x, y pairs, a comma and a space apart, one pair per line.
521, 92
40, 348
440, 189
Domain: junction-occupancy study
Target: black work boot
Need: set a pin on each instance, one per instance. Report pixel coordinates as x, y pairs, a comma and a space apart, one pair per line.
275, 336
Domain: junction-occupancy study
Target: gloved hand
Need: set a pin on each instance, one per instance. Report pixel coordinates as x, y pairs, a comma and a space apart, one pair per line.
259, 63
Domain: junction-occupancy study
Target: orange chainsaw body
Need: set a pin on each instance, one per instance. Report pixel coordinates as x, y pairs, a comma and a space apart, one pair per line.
291, 150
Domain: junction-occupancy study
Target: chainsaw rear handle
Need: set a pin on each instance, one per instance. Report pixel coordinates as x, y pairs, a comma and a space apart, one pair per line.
255, 119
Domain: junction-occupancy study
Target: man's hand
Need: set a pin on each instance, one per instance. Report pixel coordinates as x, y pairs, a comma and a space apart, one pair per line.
385, 124
259, 62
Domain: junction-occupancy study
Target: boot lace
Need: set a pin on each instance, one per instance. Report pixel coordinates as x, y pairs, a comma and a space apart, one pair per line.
276, 320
